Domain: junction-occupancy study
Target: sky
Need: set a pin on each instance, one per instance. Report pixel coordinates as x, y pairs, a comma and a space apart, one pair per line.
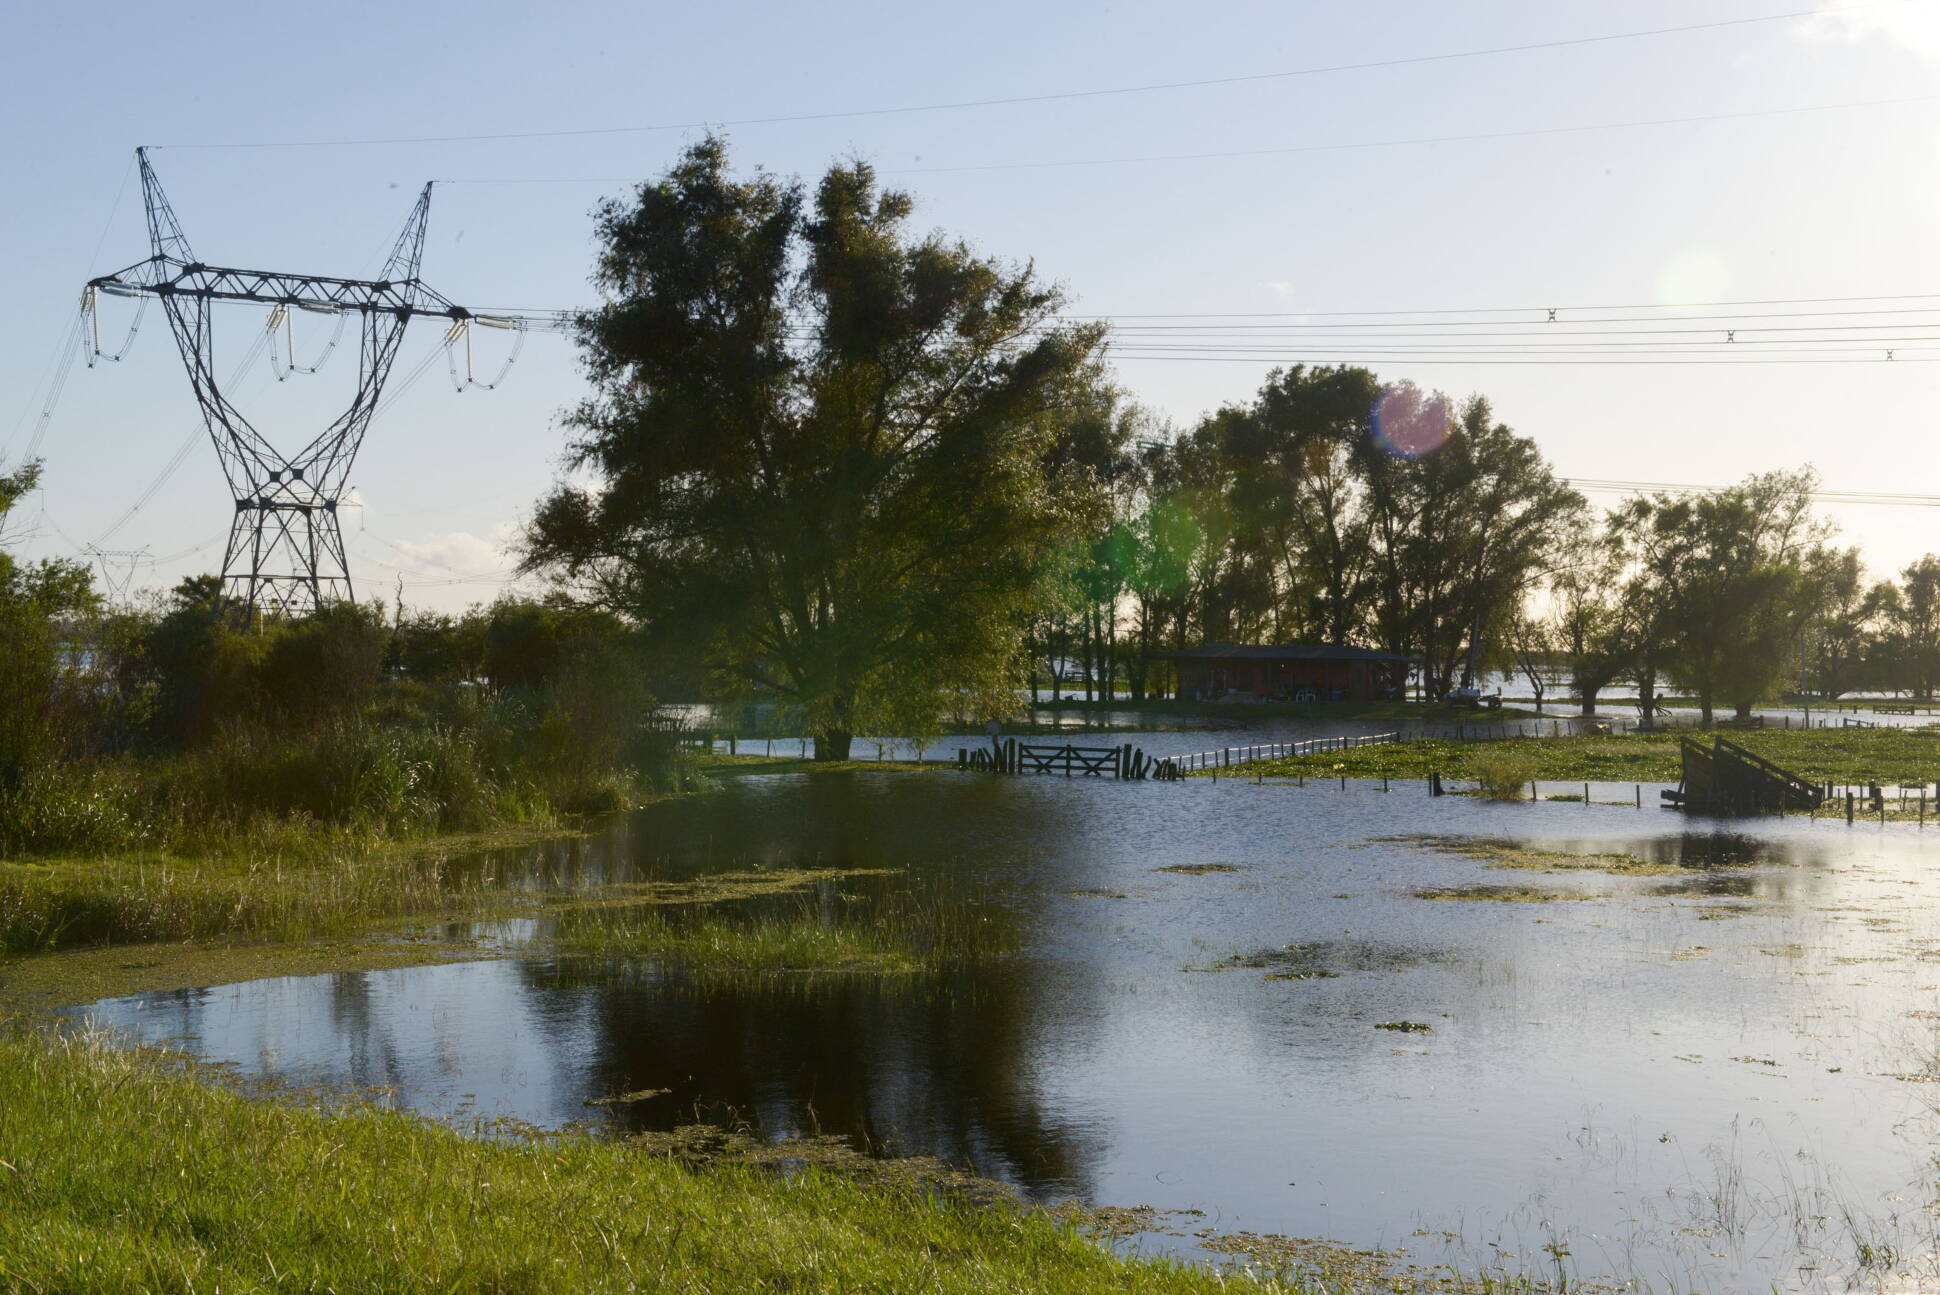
1467, 185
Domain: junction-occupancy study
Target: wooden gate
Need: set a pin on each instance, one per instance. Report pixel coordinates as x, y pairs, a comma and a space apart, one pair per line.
1091, 761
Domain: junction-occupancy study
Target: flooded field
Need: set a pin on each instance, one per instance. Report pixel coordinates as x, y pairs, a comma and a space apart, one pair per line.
1550, 1038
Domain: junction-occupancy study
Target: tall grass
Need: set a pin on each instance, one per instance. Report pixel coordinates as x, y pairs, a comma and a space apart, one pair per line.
376, 776
117, 1176
50, 906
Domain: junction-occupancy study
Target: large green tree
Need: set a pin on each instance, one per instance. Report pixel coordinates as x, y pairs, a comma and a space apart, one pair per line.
1729, 578
1460, 532
818, 444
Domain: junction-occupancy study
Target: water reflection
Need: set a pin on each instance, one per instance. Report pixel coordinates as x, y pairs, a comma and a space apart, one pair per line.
1593, 1064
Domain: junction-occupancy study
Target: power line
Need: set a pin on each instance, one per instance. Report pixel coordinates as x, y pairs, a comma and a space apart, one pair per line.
1539, 310
1296, 149
1352, 357
1827, 496
1060, 95
1470, 137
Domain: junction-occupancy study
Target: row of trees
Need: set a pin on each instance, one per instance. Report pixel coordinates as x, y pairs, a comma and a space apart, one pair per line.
1331, 509
880, 479
1737, 596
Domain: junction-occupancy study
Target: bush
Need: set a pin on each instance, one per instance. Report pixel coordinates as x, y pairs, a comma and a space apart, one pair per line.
1503, 774
78, 807
353, 772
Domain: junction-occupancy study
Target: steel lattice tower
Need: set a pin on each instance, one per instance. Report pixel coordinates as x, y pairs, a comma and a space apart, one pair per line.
286, 550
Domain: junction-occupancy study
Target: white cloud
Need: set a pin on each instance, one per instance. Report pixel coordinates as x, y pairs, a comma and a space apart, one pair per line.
1912, 27
459, 552
1281, 287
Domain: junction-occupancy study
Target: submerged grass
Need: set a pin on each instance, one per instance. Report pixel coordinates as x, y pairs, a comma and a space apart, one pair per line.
899, 934
1501, 894
120, 1176
1514, 856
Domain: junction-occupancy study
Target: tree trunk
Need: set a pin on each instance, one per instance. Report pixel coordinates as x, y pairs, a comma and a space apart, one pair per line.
1088, 657
1704, 709
832, 745
1647, 694
1589, 699
1744, 710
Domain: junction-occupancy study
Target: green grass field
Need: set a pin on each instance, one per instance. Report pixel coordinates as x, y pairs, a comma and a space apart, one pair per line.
1883, 755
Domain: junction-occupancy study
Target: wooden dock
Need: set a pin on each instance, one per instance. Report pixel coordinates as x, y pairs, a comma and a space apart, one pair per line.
1725, 778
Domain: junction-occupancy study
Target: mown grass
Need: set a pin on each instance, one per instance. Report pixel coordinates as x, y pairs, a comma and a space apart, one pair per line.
1846, 756
119, 1176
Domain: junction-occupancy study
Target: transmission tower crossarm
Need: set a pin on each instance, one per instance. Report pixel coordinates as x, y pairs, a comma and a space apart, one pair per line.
163, 276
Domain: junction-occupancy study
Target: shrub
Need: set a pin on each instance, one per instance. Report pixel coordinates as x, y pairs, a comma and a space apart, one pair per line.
1503, 774
77, 806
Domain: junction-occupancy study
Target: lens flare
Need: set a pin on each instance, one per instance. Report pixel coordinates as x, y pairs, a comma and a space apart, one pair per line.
1408, 424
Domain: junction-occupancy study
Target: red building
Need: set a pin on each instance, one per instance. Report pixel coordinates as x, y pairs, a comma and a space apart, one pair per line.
1288, 672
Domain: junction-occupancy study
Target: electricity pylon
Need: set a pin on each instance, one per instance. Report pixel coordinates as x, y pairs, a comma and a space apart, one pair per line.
286, 551
118, 567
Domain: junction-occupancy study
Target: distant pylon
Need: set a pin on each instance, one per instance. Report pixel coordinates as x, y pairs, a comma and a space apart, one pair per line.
286, 551
118, 567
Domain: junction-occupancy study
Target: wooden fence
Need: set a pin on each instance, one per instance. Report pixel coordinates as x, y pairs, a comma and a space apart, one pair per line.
1012, 756
1228, 756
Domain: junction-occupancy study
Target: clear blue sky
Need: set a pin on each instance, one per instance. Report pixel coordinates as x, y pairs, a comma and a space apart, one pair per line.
1811, 204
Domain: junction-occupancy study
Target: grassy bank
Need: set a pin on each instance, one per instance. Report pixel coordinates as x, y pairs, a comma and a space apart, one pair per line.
1882, 755
117, 1176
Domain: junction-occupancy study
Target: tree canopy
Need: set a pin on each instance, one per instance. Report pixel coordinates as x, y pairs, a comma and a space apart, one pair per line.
823, 448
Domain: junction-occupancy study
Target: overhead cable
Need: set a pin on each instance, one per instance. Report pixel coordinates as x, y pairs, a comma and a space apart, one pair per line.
1367, 65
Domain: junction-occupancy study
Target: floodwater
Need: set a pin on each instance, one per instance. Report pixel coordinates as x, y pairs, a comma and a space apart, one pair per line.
1715, 1076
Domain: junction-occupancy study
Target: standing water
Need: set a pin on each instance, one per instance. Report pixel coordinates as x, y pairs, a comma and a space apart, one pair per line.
1551, 1038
